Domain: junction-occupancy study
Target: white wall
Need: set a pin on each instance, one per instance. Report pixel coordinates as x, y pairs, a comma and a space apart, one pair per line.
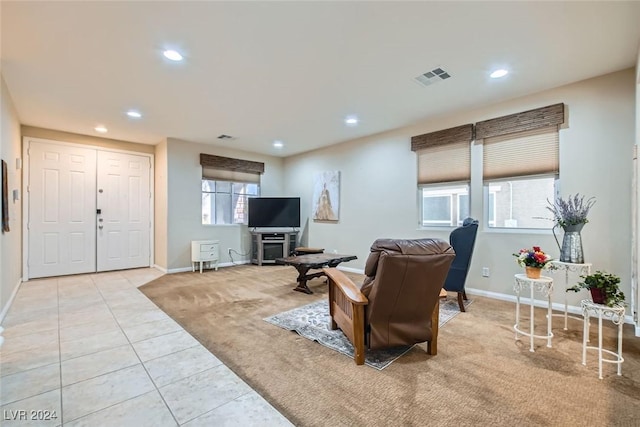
11, 242
379, 195
636, 269
184, 215
161, 202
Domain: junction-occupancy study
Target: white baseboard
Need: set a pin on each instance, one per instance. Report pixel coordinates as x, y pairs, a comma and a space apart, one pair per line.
221, 265
162, 269
5, 309
537, 303
179, 270
231, 264
351, 270
638, 331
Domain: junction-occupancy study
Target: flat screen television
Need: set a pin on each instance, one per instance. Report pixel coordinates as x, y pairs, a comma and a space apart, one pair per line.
274, 212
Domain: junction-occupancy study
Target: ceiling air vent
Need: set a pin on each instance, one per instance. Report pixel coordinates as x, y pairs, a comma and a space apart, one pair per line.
434, 76
223, 136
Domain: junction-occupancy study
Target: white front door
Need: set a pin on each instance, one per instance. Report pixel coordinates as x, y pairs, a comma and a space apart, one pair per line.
123, 206
62, 210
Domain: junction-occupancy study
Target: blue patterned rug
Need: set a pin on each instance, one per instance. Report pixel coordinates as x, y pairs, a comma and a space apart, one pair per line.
312, 322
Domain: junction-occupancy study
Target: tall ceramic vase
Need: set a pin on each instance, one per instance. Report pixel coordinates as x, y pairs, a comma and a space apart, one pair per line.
571, 249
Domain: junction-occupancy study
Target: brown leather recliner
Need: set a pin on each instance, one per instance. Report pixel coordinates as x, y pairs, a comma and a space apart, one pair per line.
398, 303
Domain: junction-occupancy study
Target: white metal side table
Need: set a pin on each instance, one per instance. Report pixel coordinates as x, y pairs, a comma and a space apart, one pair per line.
568, 267
616, 315
544, 285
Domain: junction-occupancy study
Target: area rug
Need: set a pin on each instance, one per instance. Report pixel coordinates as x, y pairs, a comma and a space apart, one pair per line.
312, 322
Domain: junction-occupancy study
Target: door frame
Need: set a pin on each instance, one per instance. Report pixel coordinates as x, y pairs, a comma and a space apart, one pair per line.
26, 143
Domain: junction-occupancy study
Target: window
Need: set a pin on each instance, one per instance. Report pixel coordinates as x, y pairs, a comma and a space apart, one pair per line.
227, 184
519, 203
225, 202
443, 175
444, 205
520, 172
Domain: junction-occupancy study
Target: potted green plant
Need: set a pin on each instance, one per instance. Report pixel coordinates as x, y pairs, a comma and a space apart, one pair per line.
604, 288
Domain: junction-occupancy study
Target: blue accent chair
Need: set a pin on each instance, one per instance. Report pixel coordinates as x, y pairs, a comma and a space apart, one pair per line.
462, 239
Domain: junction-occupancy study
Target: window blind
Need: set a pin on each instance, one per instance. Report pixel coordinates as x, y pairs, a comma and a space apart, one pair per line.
444, 163
233, 176
444, 155
230, 169
521, 154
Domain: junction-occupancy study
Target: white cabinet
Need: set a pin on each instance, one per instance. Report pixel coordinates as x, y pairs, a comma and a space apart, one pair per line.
205, 251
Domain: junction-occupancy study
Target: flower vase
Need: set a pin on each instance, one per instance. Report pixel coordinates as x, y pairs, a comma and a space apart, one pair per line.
532, 272
571, 250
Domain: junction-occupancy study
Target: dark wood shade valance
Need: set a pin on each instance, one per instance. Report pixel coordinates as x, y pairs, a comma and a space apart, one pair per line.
230, 164
454, 135
551, 115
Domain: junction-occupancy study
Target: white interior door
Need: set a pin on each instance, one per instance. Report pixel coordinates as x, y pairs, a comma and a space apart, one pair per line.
123, 203
62, 210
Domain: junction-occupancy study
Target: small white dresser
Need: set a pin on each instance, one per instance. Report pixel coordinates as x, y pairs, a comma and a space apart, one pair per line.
205, 251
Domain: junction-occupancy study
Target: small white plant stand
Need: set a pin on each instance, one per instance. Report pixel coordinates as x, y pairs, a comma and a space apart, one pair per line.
616, 315
568, 267
544, 285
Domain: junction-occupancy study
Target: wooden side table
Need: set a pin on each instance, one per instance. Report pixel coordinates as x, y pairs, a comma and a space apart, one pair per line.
616, 315
301, 250
544, 285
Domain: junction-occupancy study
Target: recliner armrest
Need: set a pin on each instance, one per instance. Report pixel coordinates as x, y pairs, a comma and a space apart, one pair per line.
346, 286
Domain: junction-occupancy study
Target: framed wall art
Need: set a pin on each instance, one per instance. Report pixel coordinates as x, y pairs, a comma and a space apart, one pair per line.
326, 196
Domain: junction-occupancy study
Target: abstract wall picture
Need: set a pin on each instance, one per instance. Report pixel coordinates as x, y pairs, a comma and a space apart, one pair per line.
326, 196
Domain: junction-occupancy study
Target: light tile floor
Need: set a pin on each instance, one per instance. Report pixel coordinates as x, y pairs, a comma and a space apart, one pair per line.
92, 350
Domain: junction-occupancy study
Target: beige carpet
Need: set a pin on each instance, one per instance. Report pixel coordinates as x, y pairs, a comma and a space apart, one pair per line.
479, 377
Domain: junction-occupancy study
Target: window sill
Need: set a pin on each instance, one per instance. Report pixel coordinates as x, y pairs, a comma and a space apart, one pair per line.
443, 228
502, 230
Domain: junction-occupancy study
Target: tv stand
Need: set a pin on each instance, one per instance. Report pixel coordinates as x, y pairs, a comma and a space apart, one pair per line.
267, 246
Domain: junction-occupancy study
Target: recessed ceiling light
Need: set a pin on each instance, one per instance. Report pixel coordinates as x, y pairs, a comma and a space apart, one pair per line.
101, 129
499, 73
134, 114
351, 120
172, 55
278, 144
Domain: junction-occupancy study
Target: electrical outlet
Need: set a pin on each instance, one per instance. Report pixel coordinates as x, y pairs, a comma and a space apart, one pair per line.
485, 271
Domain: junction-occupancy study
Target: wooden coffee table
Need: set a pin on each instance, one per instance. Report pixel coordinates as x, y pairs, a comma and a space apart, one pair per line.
304, 263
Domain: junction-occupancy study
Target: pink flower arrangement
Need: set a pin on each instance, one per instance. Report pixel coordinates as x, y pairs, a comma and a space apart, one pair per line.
534, 257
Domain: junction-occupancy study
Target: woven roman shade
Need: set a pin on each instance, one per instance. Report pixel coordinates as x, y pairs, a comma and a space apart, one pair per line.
230, 169
444, 156
521, 154
544, 117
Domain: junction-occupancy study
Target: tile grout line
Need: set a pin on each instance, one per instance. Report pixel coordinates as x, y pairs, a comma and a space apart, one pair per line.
59, 350
93, 282
134, 352
220, 406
